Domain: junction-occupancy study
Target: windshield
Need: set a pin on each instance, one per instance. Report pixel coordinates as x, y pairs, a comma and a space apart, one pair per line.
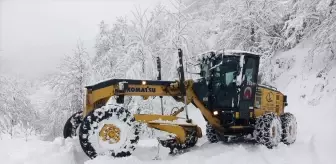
225, 72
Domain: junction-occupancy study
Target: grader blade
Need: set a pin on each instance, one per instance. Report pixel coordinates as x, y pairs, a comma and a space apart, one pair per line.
182, 136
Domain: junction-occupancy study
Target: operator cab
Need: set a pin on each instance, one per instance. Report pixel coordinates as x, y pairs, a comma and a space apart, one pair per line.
228, 81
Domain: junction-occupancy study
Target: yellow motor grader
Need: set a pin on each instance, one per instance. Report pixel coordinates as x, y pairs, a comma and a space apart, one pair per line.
228, 95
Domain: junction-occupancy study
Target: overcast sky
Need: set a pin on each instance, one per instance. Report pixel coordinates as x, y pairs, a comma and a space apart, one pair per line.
34, 34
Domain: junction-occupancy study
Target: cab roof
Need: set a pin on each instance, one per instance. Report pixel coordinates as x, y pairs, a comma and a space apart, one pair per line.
216, 53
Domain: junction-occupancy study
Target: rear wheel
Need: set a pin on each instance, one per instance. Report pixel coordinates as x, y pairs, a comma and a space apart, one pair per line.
289, 128
268, 130
110, 130
211, 134
72, 124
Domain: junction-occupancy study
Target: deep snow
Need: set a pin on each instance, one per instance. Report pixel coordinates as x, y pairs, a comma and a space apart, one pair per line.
311, 96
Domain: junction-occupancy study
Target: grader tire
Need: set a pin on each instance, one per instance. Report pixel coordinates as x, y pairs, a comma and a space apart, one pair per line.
289, 128
211, 134
268, 130
72, 124
119, 142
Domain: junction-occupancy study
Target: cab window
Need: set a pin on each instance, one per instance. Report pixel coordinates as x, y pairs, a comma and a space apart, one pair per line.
250, 69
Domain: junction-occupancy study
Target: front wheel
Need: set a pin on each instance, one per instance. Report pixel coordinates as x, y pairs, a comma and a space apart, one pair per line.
109, 130
72, 124
211, 134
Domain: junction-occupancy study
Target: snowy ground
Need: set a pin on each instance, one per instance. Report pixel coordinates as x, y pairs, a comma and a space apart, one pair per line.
311, 99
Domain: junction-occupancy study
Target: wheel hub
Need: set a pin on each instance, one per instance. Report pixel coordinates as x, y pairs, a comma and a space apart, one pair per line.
111, 133
273, 132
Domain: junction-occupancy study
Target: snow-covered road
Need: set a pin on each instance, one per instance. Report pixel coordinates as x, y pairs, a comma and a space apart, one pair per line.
68, 151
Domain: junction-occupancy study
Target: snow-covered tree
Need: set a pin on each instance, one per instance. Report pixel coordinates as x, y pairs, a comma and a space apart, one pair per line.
69, 82
252, 25
303, 19
23, 130
15, 104
68, 85
7, 125
110, 47
325, 37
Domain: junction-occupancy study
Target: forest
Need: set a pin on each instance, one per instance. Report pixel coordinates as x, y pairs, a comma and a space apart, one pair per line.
128, 48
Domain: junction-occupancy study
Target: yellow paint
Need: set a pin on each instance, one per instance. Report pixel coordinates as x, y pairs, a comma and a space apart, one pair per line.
146, 118
111, 133
269, 102
145, 97
236, 127
259, 112
103, 94
175, 129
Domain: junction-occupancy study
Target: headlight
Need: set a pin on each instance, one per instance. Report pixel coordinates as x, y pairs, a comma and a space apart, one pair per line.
215, 113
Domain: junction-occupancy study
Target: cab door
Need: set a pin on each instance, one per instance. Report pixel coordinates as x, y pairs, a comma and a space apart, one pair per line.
223, 85
248, 86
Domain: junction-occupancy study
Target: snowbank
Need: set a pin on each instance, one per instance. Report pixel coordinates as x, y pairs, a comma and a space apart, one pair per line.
35, 151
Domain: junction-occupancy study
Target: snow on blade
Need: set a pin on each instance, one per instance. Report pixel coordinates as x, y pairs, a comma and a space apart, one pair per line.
178, 121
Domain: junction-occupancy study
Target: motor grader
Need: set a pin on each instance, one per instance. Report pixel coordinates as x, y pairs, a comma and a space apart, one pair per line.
228, 95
